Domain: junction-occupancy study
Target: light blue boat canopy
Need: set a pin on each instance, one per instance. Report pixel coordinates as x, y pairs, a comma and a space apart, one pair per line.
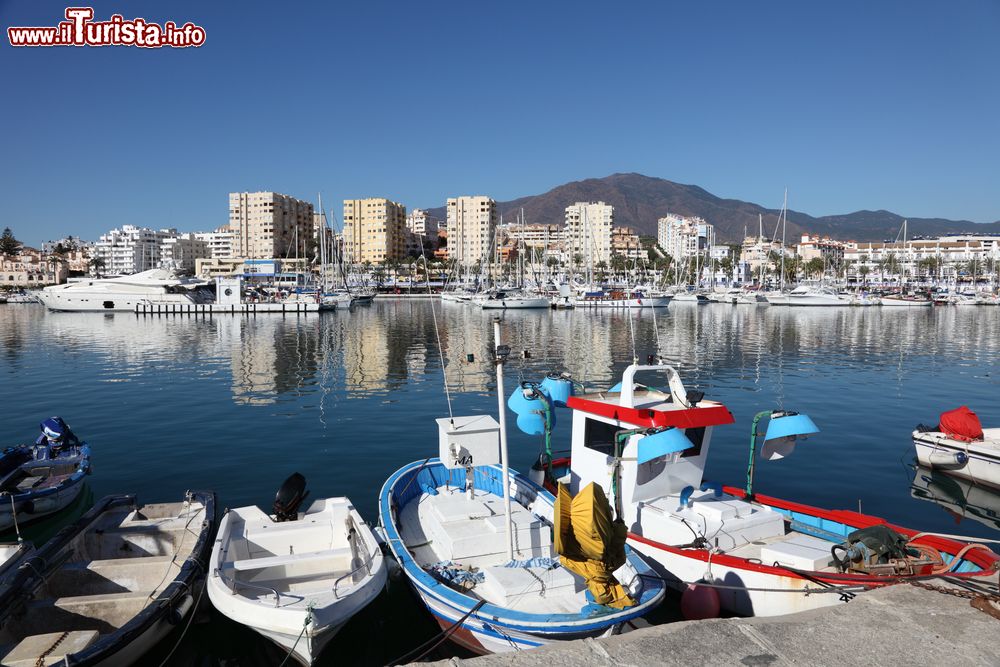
669, 441
790, 425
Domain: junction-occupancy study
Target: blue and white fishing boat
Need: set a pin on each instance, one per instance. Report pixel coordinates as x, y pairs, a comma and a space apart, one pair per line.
476, 541
37, 480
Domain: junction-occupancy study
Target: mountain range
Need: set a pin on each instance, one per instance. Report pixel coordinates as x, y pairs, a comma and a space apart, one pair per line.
640, 201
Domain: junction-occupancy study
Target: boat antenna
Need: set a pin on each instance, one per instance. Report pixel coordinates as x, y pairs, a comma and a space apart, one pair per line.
631, 329
500, 354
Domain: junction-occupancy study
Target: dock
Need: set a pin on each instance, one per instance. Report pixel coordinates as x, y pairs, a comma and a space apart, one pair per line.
225, 308
897, 625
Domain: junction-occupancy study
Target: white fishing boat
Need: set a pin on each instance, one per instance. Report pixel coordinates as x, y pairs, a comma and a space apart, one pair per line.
960, 446
648, 448
156, 286
295, 578
107, 588
492, 555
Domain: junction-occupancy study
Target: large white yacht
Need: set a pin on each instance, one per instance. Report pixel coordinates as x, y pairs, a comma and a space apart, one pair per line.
159, 286
808, 296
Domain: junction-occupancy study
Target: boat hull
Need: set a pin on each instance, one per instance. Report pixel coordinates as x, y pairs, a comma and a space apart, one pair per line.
37, 503
981, 463
514, 303
645, 302
892, 302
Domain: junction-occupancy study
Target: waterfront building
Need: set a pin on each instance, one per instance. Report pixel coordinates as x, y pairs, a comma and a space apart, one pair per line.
182, 251
588, 231
625, 242
471, 225
374, 230
682, 237
270, 224
130, 249
826, 249
32, 268
422, 223
221, 243
755, 252
945, 257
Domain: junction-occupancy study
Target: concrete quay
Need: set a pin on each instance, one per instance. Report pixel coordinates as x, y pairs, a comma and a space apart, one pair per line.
898, 625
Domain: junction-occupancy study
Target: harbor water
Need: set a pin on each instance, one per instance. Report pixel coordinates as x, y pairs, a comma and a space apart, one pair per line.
235, 404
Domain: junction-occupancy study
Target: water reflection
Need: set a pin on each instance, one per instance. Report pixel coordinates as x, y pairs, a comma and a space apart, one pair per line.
959, 498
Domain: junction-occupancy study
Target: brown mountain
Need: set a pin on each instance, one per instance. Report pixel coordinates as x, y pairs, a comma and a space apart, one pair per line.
640, 200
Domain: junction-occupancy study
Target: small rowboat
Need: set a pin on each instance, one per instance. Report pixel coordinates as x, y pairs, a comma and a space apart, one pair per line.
109, 586
295, 578
34, 484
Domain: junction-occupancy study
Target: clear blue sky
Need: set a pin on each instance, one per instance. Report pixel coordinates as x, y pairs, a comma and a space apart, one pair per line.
851, 105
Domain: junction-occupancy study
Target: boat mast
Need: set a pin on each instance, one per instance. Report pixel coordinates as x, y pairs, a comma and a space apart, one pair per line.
500, 355
784, 228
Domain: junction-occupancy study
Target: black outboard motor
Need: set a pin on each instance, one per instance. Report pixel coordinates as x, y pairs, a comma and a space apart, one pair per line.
291, 494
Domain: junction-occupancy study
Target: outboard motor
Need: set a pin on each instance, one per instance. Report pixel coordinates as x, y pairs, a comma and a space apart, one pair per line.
290, 496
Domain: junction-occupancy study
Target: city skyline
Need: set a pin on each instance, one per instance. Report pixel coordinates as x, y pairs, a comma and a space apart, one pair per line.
850, 108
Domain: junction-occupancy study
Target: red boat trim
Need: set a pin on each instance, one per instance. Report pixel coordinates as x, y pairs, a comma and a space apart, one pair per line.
688, 418
988, 561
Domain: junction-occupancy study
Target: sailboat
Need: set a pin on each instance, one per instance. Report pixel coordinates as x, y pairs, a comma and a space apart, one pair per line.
480, 545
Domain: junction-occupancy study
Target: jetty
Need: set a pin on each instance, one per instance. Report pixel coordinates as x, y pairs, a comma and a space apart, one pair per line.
897, 625
291, 308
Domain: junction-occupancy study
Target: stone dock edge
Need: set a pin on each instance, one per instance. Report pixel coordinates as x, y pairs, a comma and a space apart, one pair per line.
897, 625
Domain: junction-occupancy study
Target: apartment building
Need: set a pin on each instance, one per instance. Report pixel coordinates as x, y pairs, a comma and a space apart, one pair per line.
422, 223
221, 243
625, 242
471, 223
374, 230
181, 252
682, 237
130, 249
588, 231
269, 225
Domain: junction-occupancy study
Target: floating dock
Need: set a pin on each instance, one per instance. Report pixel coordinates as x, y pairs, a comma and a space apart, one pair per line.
898, 625
295, 308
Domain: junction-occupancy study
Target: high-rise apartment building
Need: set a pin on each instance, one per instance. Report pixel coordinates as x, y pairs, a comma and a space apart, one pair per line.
588, 231
374, 230
220, 243
271, 225
131, 249
422, 223
182, 251
682, 237
471, 224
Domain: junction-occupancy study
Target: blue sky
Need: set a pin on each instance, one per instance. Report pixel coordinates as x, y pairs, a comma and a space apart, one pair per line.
850, 105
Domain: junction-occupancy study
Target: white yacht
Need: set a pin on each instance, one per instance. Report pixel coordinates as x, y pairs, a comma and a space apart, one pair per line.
808, 296
123, 293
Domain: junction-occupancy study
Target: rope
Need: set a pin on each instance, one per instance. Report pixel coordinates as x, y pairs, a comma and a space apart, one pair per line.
437, 334
177, 549
440, 637
191, 615
13, 514
806, 591
305, 624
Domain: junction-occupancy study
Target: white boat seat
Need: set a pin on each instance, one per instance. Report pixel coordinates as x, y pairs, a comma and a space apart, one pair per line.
250, 564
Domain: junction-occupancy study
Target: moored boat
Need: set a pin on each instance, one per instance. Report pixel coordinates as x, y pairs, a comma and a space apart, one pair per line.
959, 445
110, 586
295, 577
904, 300
511, 301
156, 286
36, 481
648, 448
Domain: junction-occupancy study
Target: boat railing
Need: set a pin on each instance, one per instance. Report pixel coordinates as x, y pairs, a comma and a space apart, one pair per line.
366, 565
234, 582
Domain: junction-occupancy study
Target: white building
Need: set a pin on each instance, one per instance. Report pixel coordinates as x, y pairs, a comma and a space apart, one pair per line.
182, 251
682, 237
422, 223
588, 231
471, 225
220, 243
131, 249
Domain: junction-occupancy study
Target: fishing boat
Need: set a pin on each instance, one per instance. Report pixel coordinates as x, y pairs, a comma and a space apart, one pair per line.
295, 577
487, 550
648, 448
36, 481
110, 586
961, 446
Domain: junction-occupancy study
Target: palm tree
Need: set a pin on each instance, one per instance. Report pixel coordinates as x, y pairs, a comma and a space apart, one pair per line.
96, 264
864, 270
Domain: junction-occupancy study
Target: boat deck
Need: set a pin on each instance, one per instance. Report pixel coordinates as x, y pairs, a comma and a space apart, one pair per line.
451, 535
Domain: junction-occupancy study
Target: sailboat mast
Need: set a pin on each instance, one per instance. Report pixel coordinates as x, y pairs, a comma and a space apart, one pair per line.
504, 460
784, 227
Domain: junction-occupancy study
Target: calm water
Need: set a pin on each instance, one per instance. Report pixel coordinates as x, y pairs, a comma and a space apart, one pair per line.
236, 404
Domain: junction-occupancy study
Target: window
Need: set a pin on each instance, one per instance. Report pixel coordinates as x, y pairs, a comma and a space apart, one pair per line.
600, 436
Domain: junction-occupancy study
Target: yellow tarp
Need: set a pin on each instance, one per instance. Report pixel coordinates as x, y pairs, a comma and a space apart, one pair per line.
590, 543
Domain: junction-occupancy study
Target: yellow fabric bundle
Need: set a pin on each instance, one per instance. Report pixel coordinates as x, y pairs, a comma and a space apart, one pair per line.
590, 543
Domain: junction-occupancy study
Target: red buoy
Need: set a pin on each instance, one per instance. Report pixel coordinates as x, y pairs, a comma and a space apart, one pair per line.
699, 602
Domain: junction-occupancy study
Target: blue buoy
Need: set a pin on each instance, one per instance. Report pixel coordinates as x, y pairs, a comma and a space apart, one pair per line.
558, 388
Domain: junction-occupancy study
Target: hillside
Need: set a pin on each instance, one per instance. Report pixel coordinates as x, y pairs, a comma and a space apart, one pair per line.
640, 200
